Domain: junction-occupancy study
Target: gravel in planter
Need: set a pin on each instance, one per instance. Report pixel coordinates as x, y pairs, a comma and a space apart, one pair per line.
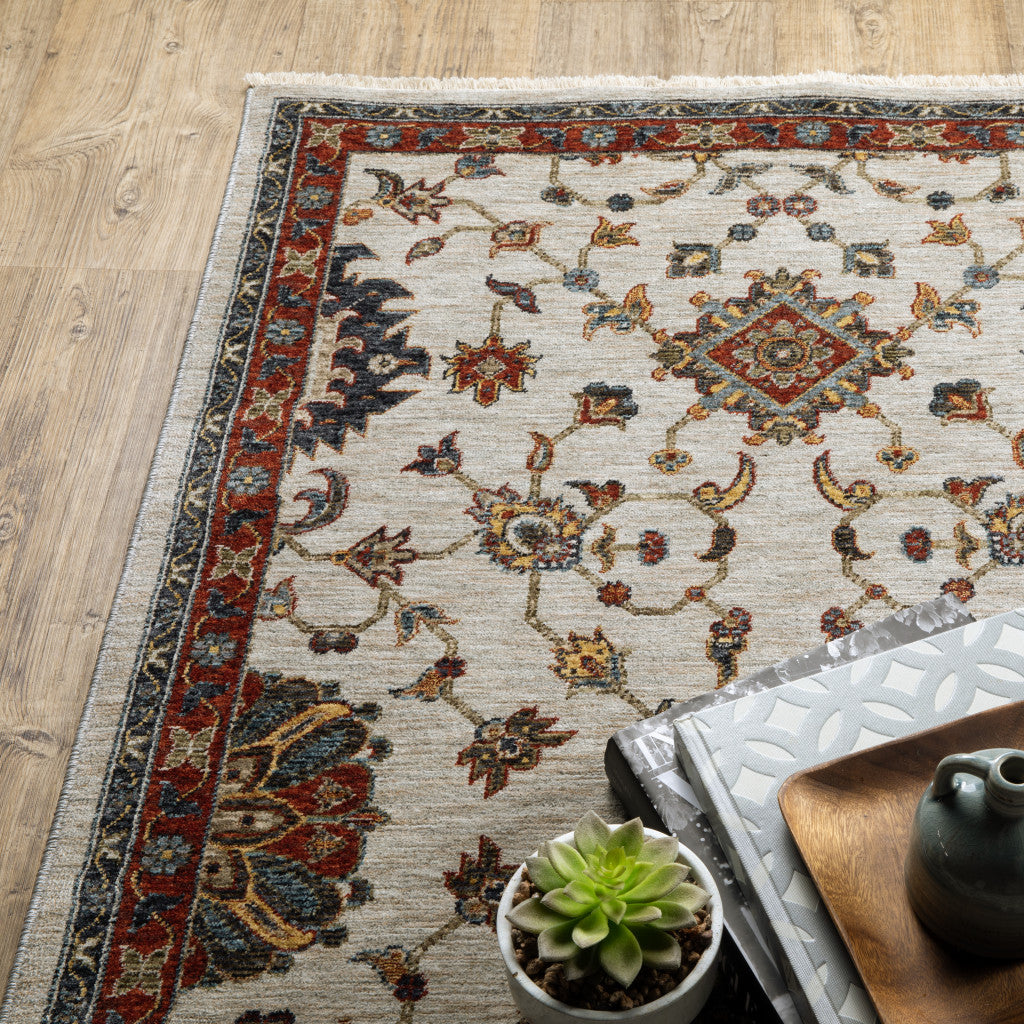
599, 991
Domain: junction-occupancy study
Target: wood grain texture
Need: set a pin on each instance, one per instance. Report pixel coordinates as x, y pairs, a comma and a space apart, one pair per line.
650, 37
892, 37
24, 34
117, 127
71, 469
851, 819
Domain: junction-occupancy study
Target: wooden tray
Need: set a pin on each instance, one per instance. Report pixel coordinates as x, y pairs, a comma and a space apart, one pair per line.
851, 820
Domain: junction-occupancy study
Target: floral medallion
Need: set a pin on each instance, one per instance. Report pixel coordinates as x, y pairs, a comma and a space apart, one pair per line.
523, 534
781, 355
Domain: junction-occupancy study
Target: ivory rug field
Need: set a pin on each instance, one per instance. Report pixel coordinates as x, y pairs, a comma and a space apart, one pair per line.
510, 413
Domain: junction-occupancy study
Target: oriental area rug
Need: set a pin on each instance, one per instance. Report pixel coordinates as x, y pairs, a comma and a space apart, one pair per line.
511, 413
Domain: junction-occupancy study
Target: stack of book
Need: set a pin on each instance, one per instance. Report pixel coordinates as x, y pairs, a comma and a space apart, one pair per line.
710, 771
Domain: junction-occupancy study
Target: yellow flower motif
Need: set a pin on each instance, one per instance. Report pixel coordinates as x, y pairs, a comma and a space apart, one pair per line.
589, 661
266, 403
302, 263
234, 563
917, 135
707, 135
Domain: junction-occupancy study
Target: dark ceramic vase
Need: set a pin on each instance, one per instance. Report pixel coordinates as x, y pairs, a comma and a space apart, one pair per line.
965, 867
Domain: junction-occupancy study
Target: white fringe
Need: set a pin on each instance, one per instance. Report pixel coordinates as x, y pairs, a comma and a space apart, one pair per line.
819, 82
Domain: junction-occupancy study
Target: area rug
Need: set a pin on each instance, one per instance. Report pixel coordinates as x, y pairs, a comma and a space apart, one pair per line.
512, 412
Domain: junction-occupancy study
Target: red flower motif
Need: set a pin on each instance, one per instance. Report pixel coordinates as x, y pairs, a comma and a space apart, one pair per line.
478, 884
605, 405
511, 745
396, 967
489, 368
517, 235
377, 555
653, 547
616, 593
960, 588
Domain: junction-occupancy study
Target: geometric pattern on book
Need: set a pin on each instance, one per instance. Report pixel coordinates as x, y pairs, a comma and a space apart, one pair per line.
509, 416
739, 753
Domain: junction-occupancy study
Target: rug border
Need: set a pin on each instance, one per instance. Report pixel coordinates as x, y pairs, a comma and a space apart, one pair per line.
32, 969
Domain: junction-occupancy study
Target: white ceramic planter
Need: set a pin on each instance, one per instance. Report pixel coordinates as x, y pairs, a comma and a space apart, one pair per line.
679, 1006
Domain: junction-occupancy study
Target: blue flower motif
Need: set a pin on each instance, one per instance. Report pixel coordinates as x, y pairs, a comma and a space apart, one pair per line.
556, 136
693, 259
248, 480
557, 194
814, 133
763, 206
599, 135
645, 132
214, 649
285, 332
581, 279
1003, 191
1015, 134
742, 232
476, 165
981, 276
314, 197
620, 202
939, 200
165, 854
384, 136
799, 205
428, 136
821, 232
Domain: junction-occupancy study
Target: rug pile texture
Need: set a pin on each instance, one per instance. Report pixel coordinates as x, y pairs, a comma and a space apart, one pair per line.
510, 413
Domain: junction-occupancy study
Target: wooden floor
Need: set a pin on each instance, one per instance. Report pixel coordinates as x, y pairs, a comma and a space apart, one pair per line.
117, 124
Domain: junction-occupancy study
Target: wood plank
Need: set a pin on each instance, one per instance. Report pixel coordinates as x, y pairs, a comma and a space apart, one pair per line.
84, 394
892, 37
471, 38
140, 158
649, 37
1014, 12
24, 34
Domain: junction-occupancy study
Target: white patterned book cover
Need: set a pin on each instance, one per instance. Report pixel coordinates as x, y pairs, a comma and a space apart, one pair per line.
737, 755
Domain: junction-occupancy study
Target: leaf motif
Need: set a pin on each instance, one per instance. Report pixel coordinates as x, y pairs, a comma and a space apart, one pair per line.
955, 232
637, 305
424, 247
944, 316
893, 189
543, 454
668, 188
521, 296
609, 235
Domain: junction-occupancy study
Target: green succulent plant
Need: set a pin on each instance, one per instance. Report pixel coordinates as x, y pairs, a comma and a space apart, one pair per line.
609, 900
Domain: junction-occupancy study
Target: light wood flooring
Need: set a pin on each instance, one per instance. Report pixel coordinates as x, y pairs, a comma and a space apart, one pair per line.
117, 124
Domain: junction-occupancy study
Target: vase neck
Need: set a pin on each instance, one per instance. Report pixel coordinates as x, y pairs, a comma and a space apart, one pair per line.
1004, 785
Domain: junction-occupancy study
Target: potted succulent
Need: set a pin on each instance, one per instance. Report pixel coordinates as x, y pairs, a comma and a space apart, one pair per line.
610, 923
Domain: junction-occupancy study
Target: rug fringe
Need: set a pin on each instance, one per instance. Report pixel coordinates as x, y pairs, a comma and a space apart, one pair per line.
829, 81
